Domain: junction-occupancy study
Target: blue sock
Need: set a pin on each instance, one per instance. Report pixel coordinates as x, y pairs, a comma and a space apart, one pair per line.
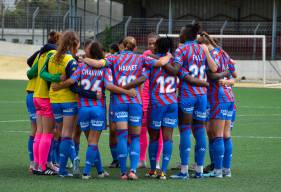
211, 150
152, 151
218, 152
55, 146
98, 163
185, 143
167, 153
113, 150
200, 148
57, 152
72, 151
227, 153
91, 155
122, 148
30, 148
135, 151
64, 153
77, 147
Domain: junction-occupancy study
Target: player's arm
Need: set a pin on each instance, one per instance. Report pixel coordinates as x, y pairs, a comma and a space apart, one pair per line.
217, 76
162, 61
33, 71
211, 63
183, 74
94, 63
227, 82
44, 74
137, 82
172, 68
118, 90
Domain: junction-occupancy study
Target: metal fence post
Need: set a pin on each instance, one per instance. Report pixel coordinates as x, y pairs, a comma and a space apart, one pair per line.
35, 13
255, 41
3, 21
64, 18
127, 25
222, 29
96, 26
274, 24
158, 25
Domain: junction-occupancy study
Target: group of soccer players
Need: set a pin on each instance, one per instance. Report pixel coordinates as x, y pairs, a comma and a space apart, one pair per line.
154, 92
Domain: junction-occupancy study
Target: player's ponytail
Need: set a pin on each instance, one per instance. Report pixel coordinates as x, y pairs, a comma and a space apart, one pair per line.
129, 43
96, 51
68, 42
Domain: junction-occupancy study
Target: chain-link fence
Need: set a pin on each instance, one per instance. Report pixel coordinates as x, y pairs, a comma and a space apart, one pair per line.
31, 24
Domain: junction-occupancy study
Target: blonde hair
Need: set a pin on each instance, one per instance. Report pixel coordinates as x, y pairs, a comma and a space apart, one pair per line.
130, 43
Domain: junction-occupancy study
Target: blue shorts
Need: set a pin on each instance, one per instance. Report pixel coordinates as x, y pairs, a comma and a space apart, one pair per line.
208, 112
92, 118
30, 107
233, 118
64, 109
223, 111
164, 116
131, 113
197, 106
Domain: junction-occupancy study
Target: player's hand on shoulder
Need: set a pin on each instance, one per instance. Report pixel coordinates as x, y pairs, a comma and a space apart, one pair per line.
57, 86
63, 77
132, 93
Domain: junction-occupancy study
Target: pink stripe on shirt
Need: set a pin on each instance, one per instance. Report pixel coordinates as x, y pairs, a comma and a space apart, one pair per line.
145, 90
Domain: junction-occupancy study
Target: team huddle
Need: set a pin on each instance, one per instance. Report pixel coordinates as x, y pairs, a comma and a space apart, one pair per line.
151, 95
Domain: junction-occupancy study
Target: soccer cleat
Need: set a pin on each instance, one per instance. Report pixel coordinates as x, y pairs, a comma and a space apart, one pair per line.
114, 164
86, 177
53, 167
76, 167
132, 176
215, 174
180, 175
124, 176
209, 168
198, 175
66, 174
47, 171
151, 174
32, 167
103, 175
226, 172
142, 164
162, 176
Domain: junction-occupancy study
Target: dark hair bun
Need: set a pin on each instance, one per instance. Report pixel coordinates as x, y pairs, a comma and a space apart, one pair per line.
196, 28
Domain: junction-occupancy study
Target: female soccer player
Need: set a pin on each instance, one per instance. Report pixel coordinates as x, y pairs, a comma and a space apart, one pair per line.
151, 40
31, 110
45, 121
221, 101
127, 70
193, 59
163, 110
92, 112
64, 102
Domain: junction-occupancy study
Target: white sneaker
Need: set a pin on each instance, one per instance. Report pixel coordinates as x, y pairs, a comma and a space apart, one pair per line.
86, 177
103, 175
53, 167
226, 172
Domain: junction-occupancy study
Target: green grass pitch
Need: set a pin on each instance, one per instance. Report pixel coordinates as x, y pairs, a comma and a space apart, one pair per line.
256, 157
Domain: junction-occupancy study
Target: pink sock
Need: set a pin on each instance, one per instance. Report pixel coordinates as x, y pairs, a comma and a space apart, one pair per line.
44, 149
143, 142
160, 147
36, 143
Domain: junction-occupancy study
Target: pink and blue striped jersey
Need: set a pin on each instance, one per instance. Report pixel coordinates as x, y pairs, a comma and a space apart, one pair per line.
216, 92
193, 62
126, 67
162, 86
92, 79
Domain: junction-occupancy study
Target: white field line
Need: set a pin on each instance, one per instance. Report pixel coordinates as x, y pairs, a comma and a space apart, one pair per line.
237, 136
14, 121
